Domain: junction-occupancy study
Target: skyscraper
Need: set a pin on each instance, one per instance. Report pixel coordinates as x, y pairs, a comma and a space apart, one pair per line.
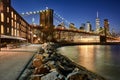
82, 27
97, 23
88, 26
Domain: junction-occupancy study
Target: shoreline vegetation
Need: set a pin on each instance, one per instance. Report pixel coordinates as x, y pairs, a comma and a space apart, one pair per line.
48, 64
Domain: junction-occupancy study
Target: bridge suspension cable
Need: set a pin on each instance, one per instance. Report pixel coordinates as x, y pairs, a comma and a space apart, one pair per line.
60, 19
57, 18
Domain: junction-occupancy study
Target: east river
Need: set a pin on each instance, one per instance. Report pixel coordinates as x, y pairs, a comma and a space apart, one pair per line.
101, 59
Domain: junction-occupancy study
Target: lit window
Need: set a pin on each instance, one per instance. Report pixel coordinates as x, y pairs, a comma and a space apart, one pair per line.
15, 32
12, 23
7, 19
2, 29
8, 30
12, 14
7, 9
2, 17
15, 24
12, 31
15, 16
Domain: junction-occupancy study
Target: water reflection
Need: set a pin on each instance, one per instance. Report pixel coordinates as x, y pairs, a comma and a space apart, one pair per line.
86, 56
102, 59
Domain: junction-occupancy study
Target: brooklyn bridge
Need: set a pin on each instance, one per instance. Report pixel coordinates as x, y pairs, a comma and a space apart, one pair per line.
14, 28
55, 28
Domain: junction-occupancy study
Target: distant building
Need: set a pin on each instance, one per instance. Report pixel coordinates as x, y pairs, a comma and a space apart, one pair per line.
88, 26
82, 27
12, 25
72, 26
61, 26
97, 23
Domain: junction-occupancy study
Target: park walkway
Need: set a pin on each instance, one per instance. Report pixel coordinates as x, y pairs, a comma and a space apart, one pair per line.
13, 61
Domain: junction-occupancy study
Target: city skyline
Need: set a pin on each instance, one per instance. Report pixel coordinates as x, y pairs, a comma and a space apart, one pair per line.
76, 11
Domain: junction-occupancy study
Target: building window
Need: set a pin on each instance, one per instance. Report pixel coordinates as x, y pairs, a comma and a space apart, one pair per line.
12, 14
7, 19
12, 23
12, 31
15, 16
8, 30
8, 9
1, 5
2, 17
17, 25
15, 32
2, 29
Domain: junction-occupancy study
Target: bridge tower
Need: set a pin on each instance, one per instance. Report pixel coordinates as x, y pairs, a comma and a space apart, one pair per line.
106, 31
46, 23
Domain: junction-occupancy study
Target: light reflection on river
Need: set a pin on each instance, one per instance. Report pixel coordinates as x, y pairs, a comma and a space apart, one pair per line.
101, 59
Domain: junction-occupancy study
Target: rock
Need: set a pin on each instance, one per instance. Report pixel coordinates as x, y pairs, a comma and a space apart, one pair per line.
41, 51
51, 64
38, 56
78, 76
62, 69
41, 70
36, 77
53, 76
37, 63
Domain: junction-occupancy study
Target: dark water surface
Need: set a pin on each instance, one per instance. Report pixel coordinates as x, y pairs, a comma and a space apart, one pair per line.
101, 59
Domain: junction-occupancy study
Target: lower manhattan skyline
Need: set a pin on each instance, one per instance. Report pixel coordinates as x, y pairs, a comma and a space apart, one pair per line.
75, 11
59, 40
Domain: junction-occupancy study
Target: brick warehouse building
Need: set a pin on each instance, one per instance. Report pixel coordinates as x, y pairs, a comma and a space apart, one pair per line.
12, 26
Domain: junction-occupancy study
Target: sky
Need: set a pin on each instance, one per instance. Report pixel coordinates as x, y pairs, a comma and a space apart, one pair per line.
75, 11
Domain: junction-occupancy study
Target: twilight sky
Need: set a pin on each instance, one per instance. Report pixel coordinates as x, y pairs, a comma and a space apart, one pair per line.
75, 11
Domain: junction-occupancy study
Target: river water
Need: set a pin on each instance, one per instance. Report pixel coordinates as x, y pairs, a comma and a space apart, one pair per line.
101, 59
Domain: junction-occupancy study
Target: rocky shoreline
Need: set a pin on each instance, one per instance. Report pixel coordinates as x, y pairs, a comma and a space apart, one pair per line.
48, 64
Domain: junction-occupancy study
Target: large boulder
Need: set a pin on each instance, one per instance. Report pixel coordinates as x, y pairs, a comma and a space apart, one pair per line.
41, 70
53, 76
38, 56
78, 76
36, 63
